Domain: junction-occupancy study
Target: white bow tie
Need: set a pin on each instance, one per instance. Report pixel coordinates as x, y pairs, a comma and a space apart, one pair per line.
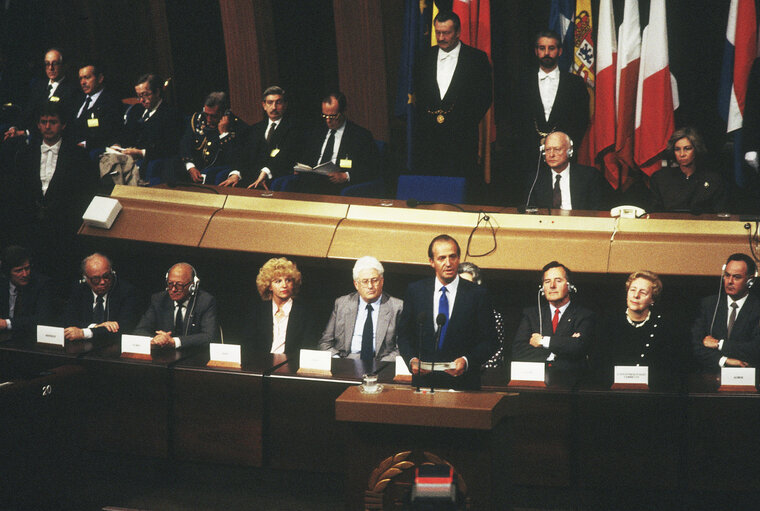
49, 149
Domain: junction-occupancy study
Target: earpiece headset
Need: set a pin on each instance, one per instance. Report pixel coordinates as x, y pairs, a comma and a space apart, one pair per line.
570, 287
196, 281
570, 150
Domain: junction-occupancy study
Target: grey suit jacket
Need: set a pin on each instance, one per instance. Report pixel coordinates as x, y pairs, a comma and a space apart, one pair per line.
340, 329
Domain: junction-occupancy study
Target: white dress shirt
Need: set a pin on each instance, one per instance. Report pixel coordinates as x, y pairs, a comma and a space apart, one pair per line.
564, 187
548, 83
739, 304
48, 161
280, 325
447, 63
93, 99
361, 318
546, 340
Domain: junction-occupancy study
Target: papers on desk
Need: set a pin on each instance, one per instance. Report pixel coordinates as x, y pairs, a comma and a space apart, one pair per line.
401, 369
438, 366
322, 169
50, 335
114, 149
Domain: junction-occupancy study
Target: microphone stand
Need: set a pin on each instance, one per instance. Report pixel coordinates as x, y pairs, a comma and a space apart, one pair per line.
421, 325
535, 178
440, 321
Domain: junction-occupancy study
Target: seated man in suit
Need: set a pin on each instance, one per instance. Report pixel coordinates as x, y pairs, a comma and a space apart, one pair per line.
348, 146
560, 331
97, 118
454, 317
26, 299
271, 146
560, 185
280, 322
211, 140
182, 315
100, 306
723, 339
364, 324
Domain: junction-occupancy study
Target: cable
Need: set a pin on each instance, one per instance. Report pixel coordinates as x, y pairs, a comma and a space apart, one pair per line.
482, 217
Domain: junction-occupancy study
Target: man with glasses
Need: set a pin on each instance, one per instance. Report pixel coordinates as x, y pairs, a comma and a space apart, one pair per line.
363, 324
182, 315
348, 146
25, 295
100, 306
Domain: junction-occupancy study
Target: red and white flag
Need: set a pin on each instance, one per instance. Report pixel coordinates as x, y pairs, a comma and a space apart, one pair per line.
657, 93
629, 55
604, 102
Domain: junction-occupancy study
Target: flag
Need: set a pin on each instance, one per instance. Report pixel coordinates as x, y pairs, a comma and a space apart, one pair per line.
415, 38
603, 123
627, 75
739, 52
656, 93
583, 43
561, 18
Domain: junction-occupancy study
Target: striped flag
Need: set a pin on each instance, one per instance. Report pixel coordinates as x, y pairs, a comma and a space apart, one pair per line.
603, 127
628, 58
561, 20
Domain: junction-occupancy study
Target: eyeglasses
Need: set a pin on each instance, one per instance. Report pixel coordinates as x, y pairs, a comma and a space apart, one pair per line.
52, 64
176, 285
106, 277
145, 95
366, 282
331, 116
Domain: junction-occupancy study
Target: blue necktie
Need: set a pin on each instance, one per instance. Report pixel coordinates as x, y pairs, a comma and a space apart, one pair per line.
443, 308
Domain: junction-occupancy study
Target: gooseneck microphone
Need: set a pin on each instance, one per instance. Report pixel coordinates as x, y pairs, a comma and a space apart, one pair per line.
440, 320
535, 178
421, 332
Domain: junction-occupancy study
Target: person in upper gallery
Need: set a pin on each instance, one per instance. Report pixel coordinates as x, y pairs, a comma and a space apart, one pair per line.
26, 298
363, 324
561, 184
271, 146
151, 127
547, 100
471, 272
452, 92
468, 332
559, 331
101, 305
211, 141
97, 118
639, 336
690, 186
348, 146
183, 315
723, 339
58, 88
280, 322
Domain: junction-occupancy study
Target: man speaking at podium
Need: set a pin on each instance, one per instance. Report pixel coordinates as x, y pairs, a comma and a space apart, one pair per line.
446, 320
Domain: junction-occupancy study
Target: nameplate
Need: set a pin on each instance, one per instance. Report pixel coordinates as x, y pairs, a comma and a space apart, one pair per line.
315, 362
529, 374
737, 379
631, 377
135, 346
224, 355
402, 371
50, 335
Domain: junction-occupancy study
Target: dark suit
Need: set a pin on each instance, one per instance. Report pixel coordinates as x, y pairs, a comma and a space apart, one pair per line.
158, 135
585, 187
450, 148
339, 331
569, 114
67, 97
34, 305
703, 192
279, 155
744, 343
301, 333
98, 126
121, 306
570, 352
200, 319
356, 146
470, 333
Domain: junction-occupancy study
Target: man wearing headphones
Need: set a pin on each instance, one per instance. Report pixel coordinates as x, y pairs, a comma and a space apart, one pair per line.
559, 331
100, 306
183, 315
727, 330
560, 185
25, 296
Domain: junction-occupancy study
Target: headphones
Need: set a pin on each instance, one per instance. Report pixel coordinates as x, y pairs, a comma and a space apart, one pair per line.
83, 279
570, 287
195, 284
570, 150
750, 281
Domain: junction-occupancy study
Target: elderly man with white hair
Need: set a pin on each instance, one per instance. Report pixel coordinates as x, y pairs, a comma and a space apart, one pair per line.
363, 323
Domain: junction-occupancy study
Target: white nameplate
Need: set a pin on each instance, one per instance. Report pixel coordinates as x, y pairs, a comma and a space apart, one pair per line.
738, 376
438, 366
50, 335
632, 374
138, 344
528, 371
401, 369
225, 353
315, 360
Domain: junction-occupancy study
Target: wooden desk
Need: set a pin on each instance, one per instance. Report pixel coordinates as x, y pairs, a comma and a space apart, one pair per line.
218, 414
26, 356
302, 433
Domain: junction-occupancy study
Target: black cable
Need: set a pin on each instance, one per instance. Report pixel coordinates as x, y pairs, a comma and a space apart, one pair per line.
482, 217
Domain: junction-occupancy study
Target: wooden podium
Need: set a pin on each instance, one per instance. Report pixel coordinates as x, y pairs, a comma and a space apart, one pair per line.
389, 433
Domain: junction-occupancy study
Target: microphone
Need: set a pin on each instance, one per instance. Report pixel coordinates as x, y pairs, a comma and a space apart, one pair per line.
535, 178
440, 320
421, 332
538, 303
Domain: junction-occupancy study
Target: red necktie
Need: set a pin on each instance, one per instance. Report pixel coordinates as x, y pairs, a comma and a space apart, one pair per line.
555, 320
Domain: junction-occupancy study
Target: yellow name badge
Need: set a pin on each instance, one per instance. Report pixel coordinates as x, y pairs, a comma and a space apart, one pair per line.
54, 99
274, 153
345, 163
92, 123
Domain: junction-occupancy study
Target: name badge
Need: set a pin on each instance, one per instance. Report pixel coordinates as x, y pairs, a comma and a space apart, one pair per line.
50, 335
92, 123
274, 153
228, 353
137, 344
528, 371
737, 376
638, 375
345, 163
315, 361
54, 99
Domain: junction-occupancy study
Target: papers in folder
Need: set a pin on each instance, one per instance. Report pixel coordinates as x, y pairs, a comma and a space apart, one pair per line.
439, 366
322, 169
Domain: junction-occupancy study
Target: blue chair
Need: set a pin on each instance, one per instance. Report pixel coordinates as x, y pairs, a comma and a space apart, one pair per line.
283, 183
431, 189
